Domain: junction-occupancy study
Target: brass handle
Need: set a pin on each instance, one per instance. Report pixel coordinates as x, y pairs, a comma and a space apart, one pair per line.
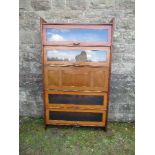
76, 43
59, 65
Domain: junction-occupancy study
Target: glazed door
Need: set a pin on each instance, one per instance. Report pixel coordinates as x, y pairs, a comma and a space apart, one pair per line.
76, 117
76, 100
76, 56
77, 35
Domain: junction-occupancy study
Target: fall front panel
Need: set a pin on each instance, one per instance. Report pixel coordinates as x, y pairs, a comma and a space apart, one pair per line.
76, 78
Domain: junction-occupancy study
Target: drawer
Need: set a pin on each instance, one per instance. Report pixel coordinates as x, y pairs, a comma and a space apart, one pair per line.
76, 56
75, 117
76, 100
77, 35
76, 78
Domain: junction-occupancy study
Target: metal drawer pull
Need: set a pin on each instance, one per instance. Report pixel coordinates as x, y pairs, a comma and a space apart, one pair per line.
76, 43
55, 65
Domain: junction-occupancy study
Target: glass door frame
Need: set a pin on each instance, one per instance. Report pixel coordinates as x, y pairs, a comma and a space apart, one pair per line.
76, 64
75, 106
80, 43
81, 123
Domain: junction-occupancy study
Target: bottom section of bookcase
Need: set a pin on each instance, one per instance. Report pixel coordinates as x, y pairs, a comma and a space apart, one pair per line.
76, 118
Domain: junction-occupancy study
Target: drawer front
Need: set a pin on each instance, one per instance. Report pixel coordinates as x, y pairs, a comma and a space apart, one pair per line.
76, 100
77, 35
76, 56
78, 117
77, 78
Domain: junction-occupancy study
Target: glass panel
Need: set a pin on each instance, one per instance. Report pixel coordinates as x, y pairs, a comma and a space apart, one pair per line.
75, 99
79, 35
75, 116
77, 55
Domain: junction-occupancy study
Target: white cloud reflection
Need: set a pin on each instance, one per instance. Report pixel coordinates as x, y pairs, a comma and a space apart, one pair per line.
56, 37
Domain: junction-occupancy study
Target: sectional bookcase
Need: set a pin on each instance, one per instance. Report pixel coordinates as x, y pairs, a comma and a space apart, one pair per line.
76, 60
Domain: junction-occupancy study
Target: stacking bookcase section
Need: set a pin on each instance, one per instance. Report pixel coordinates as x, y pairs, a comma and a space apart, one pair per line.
78, 117
73, 35
76, 100
76, 78
76, 56
76, 61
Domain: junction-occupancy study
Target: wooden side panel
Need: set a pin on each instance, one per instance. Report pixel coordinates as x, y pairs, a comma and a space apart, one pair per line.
110, 61
42, 21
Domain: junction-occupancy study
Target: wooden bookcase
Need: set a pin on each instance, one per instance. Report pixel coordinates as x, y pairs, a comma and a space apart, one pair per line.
76, 60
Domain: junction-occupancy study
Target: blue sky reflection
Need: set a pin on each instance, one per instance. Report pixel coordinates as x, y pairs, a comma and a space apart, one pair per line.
85, 35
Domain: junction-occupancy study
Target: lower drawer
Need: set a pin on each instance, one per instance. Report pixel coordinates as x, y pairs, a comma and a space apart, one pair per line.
76, 100
75, 117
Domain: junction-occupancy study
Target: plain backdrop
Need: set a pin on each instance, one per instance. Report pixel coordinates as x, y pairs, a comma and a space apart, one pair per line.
145, 77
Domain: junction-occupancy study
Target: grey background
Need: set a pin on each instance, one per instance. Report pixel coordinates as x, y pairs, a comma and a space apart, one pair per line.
78, 11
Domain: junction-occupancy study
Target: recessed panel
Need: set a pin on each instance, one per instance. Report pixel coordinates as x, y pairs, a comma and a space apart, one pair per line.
75, 78
75, 116
77, 35
53, 78
75, 99
99, 78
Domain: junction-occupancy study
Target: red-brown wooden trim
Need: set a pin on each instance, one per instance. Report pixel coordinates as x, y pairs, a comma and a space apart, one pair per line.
83, 24
86, 24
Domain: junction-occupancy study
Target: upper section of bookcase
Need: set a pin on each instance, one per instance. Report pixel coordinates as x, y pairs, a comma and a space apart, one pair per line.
70, 34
